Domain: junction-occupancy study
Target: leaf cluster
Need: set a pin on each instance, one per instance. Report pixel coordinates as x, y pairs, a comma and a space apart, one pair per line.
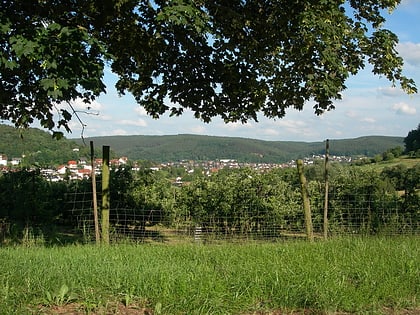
412, 141
47, 57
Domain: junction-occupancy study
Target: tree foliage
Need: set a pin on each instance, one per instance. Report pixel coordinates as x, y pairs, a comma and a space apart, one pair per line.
227, 58
36, 147
412, 141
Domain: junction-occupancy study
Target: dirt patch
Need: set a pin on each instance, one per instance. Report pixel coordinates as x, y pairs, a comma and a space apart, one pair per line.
76, 309
384, 311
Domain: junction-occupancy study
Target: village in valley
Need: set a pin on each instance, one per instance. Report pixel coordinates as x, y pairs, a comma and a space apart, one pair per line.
82, 167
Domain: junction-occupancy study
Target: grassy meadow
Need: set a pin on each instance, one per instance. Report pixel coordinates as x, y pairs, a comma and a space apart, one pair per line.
346, 275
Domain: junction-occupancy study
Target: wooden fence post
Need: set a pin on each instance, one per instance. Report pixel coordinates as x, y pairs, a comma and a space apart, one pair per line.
95, 201
327, 153
305, 199
105, 195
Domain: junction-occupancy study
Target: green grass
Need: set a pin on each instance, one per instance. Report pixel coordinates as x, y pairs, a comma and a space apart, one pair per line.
404, 160
357, 275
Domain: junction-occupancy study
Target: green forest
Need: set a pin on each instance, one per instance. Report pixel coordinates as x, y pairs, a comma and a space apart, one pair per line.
197, 147
39, 147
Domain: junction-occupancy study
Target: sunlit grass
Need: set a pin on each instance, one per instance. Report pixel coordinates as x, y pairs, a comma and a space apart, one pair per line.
349, 274
406, 161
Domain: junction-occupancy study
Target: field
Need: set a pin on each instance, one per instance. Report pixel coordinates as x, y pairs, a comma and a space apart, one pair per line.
404, 160
346, 275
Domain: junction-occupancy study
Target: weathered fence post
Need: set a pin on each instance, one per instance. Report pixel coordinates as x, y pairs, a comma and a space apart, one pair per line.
305, 199
95, 201
105, 195
327, 153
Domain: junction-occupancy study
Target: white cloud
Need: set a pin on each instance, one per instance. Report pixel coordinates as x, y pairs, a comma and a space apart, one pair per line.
270, 132
297, 129
404, 109
291, 124
407, 2
390, 91
351, 114
105, 117
410, 52
118, 132
140, 111
235, 125
198, 129
138, 122
79, 105
368, 120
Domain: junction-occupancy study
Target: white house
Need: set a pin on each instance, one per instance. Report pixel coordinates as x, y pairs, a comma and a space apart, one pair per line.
61, 169
72, 165
16, 161
3, 159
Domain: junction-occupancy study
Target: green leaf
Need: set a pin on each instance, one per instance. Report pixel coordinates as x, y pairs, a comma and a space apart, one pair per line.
63, 291
58, 135
66, 114
5, 28
47, 84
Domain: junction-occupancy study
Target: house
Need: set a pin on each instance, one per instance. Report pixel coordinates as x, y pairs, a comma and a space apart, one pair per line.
123, 160
87, 167
83, 161
72, 165
114, 162
61, 169
98, 162
3, 159
16, 161
84, 173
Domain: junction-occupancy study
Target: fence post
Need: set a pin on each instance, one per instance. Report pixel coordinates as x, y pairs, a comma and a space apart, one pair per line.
327, 153
105, 195
95, 201
305, 199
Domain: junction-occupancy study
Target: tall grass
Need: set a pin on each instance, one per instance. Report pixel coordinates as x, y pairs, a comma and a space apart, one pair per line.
351, 274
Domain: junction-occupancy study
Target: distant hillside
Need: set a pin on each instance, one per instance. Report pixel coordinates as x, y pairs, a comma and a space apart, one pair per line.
196, 147
37, 146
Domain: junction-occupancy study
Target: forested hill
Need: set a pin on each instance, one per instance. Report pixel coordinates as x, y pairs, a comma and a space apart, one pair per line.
196, 147
38, 146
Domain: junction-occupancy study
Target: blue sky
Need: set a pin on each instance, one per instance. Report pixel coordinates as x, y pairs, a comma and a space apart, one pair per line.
370, 105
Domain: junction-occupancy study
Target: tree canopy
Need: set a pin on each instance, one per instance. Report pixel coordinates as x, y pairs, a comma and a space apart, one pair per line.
412, 141
229, 58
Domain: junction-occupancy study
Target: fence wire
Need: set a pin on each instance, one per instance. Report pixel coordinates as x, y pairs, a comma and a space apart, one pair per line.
346, 216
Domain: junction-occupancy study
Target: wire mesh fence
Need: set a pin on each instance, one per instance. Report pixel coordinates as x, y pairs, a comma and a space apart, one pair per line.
347, 215
228, 205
